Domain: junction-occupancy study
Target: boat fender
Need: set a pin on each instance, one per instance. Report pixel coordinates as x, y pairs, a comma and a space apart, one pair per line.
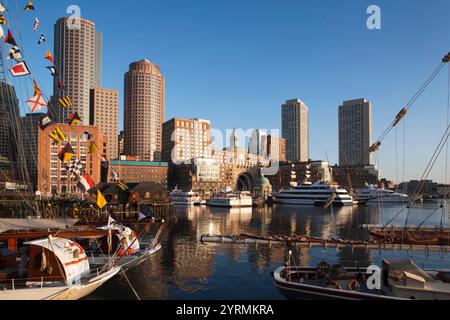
335, 285
354, 286
323, 267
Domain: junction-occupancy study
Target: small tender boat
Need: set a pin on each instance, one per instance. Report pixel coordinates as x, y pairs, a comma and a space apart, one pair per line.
399, 280
50, 269
326, 283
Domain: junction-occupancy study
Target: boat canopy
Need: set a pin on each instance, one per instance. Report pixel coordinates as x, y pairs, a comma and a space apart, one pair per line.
37, 224
70, 254
397, 268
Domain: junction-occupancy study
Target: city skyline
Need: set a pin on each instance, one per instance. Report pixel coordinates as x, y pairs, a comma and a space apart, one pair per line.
394, 72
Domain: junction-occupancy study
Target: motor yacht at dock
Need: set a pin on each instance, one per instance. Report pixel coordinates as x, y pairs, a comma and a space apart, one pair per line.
231, 199
371, 194
186, 198
314, 194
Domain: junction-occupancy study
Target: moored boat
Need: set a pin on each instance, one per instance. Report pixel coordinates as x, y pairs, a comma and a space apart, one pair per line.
325, 282
399, 280
314, 194
372, 194
231, 199
183, 198
51, 269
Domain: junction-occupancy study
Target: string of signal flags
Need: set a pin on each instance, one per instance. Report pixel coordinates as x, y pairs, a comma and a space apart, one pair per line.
38, 102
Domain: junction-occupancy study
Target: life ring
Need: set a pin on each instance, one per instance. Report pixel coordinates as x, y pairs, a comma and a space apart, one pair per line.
354, 286
77, 250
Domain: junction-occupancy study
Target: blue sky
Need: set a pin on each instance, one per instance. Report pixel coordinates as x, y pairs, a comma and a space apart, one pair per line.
236, 62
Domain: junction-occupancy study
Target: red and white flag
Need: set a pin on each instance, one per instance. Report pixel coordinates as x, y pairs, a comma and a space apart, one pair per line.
37, 103
20, 70
86, 183
36, 24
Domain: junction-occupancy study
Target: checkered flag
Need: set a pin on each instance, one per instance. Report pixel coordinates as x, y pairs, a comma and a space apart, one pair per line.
76, 168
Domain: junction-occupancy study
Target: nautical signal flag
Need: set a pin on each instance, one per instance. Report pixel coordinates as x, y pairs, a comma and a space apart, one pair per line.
2, 20
49, 57
20, 69
45, 122
93, 147
52, 70
14, 54
73, 119
41, 39
66, 153
122, 186
88, 135
86, 183
29, 7
57, 135
10, 39
36, 25
37, 90
101, 201
37, 103
66, 102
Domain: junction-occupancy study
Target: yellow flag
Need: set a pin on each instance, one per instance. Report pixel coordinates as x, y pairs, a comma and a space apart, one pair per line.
93, 148
101, 201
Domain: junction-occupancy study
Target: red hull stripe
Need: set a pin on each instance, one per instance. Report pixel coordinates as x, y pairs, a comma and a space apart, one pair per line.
75, 262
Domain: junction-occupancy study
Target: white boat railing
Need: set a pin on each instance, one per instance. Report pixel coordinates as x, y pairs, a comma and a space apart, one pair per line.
22, 283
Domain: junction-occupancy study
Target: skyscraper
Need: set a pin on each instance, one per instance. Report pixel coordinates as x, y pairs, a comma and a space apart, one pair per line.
144, 100
78, 65
105, 116
9, 117
355, 132
30, 131
295, 127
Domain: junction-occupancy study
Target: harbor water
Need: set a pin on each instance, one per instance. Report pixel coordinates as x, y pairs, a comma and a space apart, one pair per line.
186, 269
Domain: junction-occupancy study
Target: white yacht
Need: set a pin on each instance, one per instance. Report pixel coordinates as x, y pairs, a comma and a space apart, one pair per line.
314, 194
182, 198
231, 199
371, 194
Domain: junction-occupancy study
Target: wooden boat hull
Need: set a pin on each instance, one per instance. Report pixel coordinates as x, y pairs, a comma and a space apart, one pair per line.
74, 292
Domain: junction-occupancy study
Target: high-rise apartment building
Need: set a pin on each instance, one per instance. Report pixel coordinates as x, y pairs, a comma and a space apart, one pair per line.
295, 127
78, 64
9, 116
121, 143
98, 59
144, 100
105, 116
30, 130
355, 133
186, 139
